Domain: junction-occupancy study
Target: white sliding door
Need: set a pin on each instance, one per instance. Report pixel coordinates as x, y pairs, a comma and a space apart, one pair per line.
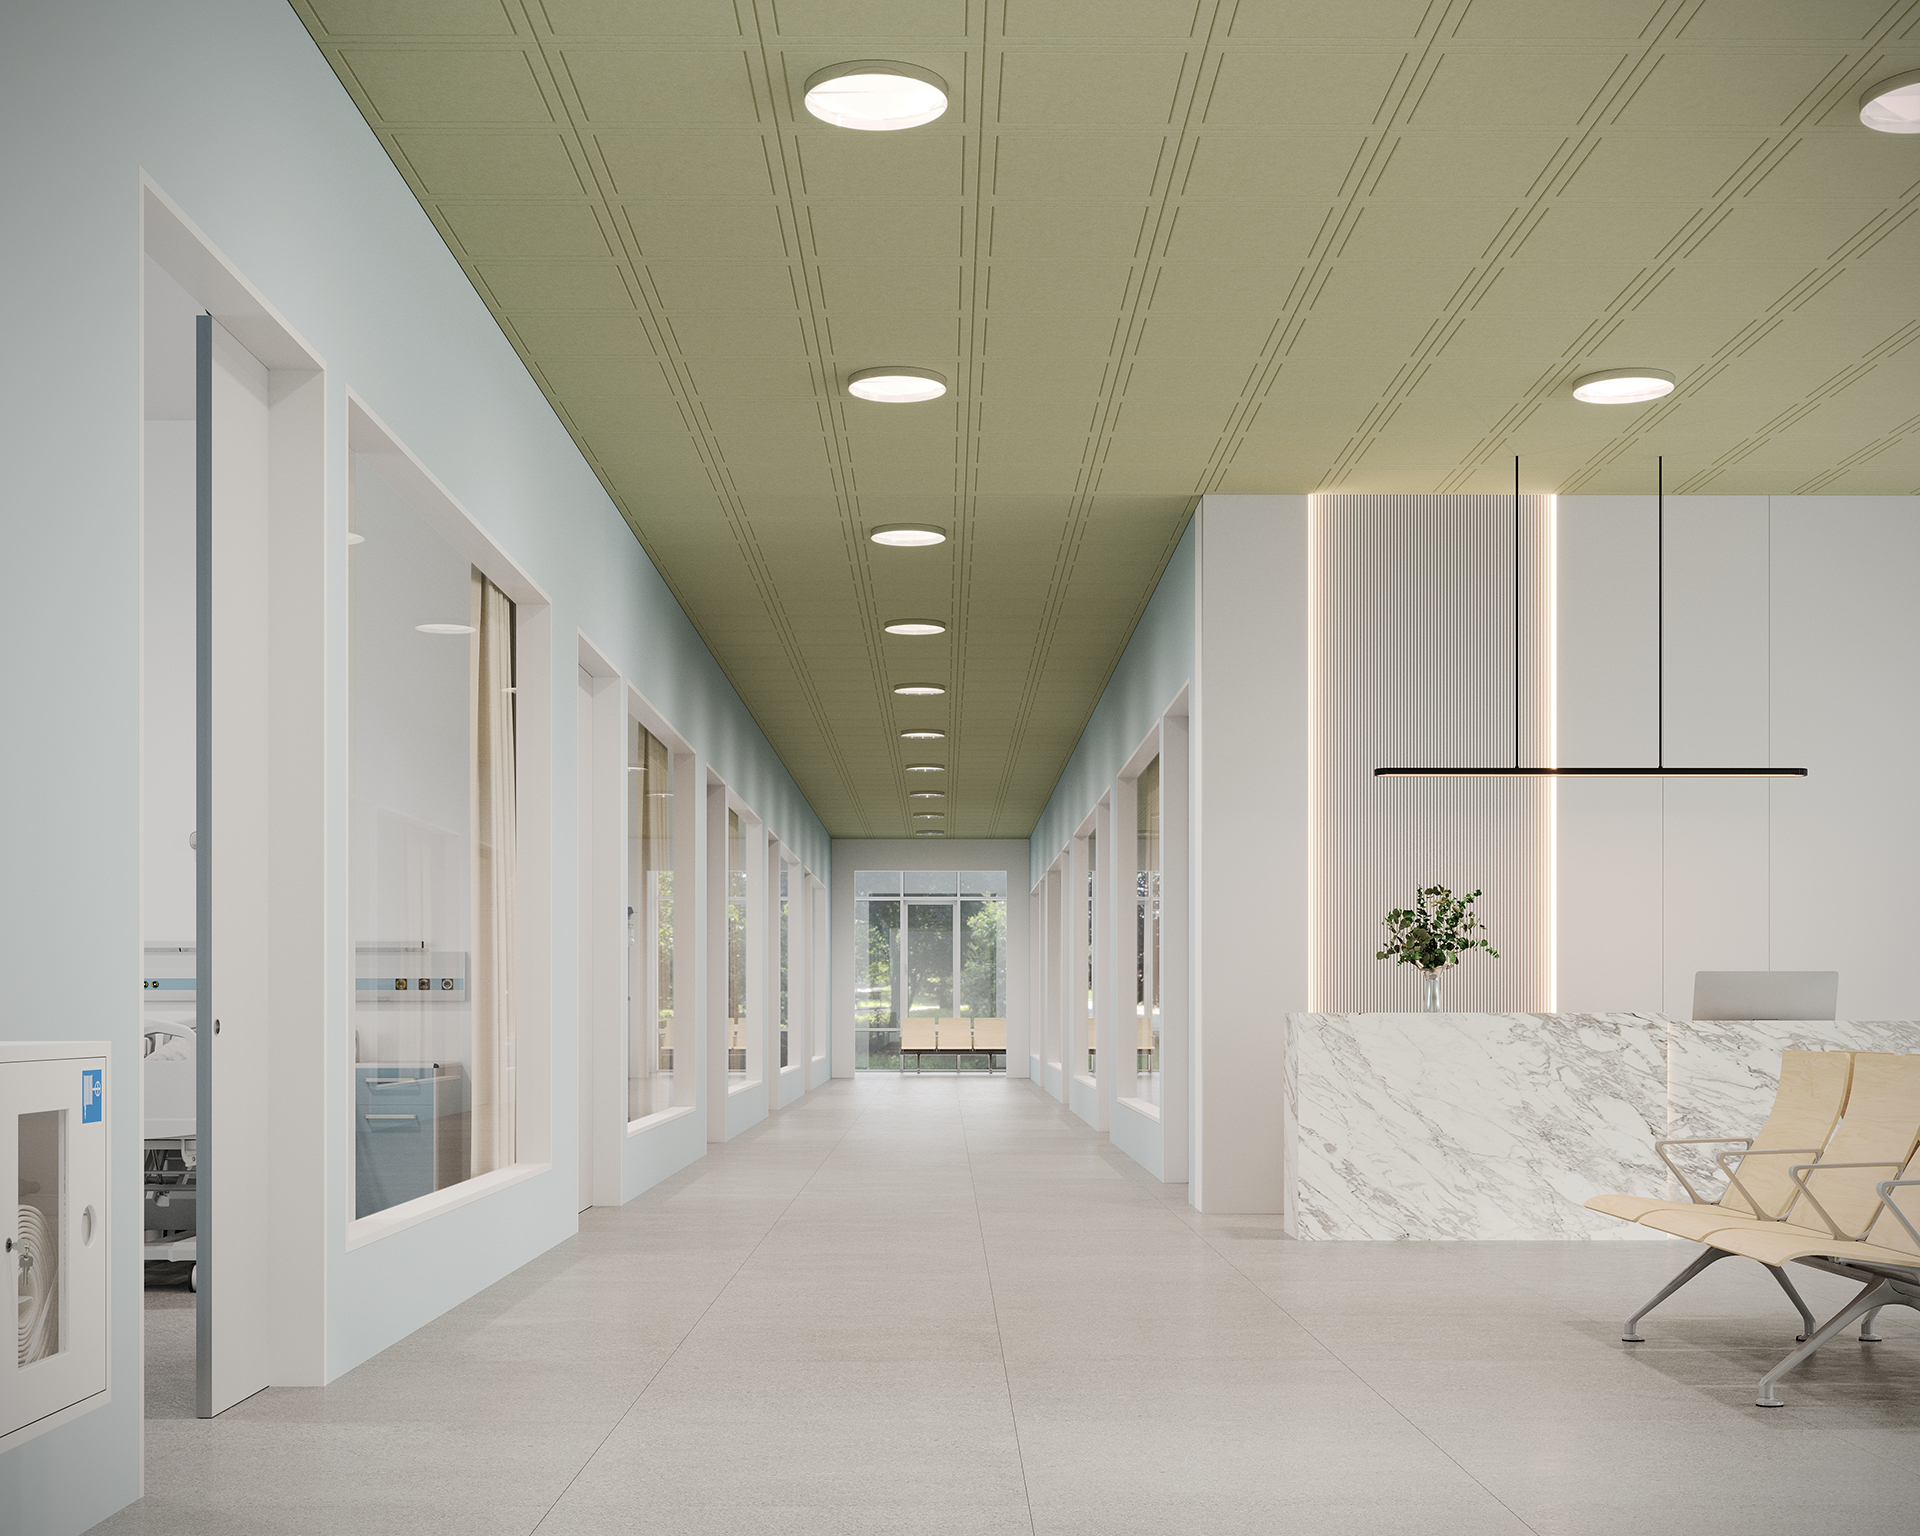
234, 830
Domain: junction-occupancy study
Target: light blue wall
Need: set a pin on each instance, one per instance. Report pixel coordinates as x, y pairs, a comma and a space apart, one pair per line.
230, 108
1156, 665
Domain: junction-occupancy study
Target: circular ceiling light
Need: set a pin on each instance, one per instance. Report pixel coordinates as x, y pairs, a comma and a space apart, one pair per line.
927, 794
932, 832
925, 767
920, 689
923, 736
1893, 106
915, 627
1623, 386
908, 535
896, 386
929, 815
444, 629
878, 95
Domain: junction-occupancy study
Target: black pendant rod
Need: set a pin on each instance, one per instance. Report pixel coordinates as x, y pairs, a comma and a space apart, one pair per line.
1660, 609
1516, 612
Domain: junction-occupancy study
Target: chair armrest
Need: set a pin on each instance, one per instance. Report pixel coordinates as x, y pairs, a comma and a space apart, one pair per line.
1660, 1151
1898, 1214
1733, 1178
1800, 1168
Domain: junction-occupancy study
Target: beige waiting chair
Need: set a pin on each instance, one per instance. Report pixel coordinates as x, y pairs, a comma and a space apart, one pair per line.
916, 1035
1834, 1201
956, 1035
990, 1035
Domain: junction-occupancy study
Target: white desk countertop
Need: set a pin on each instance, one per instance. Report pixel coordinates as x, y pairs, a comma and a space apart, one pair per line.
1499, 1125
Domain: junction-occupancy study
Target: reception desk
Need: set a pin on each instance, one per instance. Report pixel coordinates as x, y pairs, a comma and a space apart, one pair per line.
1499, 1126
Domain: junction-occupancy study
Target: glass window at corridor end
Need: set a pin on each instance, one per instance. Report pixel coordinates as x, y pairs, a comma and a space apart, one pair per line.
930, 967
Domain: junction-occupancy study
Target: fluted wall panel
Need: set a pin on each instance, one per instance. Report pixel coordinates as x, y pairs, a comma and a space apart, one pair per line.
1415, 620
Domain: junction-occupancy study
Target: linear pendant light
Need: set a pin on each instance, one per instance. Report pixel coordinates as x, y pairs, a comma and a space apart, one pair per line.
1660, 770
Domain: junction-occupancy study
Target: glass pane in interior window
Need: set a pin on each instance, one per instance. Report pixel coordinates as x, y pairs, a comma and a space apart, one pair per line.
736, 948
431, 865
650, 1053
1147, 936
875, 882
783, 964
932, 882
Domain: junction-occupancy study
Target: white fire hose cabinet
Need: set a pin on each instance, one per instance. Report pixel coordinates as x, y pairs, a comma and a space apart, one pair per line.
53, 1170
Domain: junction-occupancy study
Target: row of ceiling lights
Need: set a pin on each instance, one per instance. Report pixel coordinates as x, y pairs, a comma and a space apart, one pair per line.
883, 95
880, 95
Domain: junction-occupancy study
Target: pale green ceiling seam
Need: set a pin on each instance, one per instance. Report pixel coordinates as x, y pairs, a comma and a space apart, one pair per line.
1776, 146
1619, 88
966, 502
1086, 487
707, 445
1100, 688
1330, 242
851, 515
389, 141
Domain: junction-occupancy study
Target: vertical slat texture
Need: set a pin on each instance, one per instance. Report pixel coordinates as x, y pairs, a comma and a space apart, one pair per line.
1416, 606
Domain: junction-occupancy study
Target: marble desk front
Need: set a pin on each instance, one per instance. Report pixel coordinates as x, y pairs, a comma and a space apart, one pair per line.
1500, 1125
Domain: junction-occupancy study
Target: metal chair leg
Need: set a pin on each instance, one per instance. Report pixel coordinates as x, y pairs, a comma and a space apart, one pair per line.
1868, 1332
1631, 1334
1871, 1299
1794, 1297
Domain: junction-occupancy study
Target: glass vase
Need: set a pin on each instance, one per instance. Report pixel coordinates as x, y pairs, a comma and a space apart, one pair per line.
1433, 992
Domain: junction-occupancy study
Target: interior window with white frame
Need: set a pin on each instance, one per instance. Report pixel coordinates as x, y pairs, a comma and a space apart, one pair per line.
652, 1082
433, 843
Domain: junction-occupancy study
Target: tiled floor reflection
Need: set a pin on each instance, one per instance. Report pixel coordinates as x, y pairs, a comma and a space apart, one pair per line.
929, 1305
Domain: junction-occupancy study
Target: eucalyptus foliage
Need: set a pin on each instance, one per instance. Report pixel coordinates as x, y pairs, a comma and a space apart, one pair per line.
1434, 932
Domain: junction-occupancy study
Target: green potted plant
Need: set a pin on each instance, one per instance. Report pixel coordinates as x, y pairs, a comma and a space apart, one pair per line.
1432, 935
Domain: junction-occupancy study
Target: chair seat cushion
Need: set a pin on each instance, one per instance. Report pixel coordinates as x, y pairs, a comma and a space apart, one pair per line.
1698, 1222
1779, 1243
1633, 1207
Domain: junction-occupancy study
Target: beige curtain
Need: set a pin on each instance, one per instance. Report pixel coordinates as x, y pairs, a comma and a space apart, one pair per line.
493, 876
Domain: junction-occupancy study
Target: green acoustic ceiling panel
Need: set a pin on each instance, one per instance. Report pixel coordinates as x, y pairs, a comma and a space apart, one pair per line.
1159, 248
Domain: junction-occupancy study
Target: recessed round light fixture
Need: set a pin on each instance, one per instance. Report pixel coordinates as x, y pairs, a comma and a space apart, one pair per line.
933, 832
925, 767
896, 386
877, 95
927, 794
444, 629
916, 627
923, 735
908, 535
929, 815
922, 689
356, 538
1623, 386
1893, 106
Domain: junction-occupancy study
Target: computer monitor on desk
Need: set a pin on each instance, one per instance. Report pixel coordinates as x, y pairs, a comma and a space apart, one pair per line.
1765, 994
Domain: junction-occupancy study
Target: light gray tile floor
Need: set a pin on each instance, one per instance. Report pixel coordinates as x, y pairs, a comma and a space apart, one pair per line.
946, 1306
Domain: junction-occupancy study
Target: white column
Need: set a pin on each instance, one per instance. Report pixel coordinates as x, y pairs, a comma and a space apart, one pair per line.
1251, 864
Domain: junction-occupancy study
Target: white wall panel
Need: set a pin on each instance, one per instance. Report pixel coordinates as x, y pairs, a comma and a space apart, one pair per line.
1786, 644
1611, 907
1416, 667
1845, 659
